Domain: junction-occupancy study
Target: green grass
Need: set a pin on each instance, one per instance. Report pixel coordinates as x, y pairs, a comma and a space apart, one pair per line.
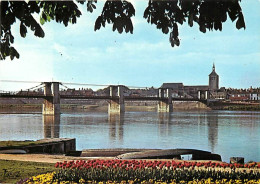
12, 171
16, 143
20, 143
243, 107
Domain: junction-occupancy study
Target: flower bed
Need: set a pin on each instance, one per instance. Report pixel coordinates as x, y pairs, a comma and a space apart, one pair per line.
142, 171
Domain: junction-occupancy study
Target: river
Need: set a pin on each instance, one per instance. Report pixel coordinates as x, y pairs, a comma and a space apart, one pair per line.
228, 133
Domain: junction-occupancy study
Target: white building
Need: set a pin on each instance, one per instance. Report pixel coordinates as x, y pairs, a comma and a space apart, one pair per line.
255, 96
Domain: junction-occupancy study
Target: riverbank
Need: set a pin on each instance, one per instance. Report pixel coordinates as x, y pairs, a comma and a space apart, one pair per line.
129, 107
238, 107
235, 106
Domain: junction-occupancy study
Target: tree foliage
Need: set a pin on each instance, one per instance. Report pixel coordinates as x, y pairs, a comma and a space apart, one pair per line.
166, 15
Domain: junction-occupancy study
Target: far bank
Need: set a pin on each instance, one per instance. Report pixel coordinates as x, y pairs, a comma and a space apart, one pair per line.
102, 106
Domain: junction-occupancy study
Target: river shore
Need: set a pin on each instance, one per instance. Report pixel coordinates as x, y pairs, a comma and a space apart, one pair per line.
97, 108
177, 106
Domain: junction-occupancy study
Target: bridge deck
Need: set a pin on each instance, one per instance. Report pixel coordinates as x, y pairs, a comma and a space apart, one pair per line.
23, 96
126, 98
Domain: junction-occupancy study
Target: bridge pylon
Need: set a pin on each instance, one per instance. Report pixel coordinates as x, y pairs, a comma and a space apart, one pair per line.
117, 103
203, 94
165, 102
51, 103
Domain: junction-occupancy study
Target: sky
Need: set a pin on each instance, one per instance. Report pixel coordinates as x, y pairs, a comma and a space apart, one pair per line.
78, 54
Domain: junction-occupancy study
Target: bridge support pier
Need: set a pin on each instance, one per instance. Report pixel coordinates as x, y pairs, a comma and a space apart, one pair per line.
165, 104
203, 94
51, 103
116, 104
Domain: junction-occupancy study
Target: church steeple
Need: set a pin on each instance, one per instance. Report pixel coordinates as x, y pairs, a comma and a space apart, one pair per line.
213, 79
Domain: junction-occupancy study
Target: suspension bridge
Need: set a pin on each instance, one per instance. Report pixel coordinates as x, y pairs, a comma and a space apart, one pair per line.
50, 92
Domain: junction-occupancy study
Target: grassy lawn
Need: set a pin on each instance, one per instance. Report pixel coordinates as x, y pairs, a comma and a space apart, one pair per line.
21, 143
16, 143
13, 171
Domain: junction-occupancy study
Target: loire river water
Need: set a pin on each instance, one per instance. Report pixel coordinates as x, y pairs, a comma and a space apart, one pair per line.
228, 133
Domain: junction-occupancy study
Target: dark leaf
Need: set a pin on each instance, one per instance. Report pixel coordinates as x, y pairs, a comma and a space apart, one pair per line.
39, 31
103, 23
203, 28
98, 23
177, 41
14, 53
44, 16
224, 17
120, 28
11, 38
220, 26
146, 13
81, 1
114, 27
240, 22
175, 31
90, 9
131, 27
190, 20
74, 20
127, 29
11, 56
232, 15
171, 39
23, 30
131, 9
165, 30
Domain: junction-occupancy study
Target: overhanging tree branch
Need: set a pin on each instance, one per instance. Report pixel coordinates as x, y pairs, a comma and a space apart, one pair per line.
166, 15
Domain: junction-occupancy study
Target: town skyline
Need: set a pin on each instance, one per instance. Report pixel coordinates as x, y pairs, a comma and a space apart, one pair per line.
77, 54
96, 87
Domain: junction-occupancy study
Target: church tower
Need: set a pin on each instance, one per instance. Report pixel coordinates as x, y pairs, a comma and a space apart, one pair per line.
213, 80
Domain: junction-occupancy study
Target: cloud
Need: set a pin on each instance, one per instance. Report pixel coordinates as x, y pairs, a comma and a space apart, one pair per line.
104, 56
32, 66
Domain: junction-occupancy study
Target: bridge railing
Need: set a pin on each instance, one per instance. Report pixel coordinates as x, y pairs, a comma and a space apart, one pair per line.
20, 94
8, 92
40, 94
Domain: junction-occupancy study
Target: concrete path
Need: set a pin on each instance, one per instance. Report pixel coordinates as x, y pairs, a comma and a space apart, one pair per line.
45, 157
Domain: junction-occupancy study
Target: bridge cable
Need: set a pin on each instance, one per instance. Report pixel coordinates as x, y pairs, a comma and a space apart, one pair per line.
82, 84
64, 86
104, 85
16, 81
38, 86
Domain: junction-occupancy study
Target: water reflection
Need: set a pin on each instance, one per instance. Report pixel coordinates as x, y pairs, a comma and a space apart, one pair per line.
212, 123
51, 126
116, 130
228, 133
164, 120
